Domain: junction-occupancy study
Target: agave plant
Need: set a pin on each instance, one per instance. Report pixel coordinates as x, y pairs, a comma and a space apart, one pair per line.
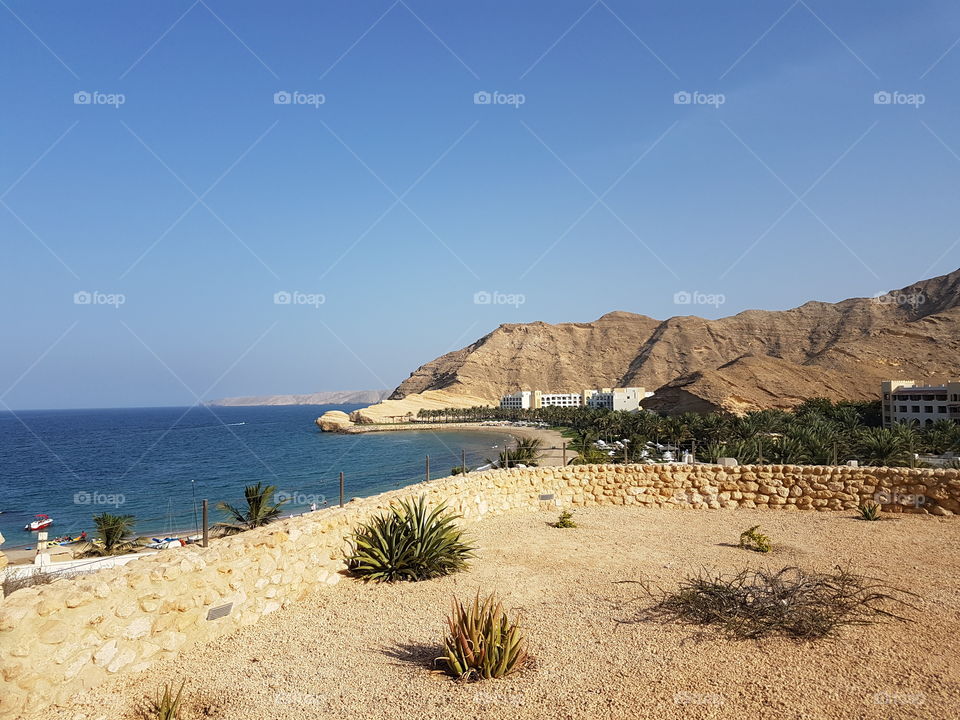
409, 542
166, 706
869, 511
484, 642
260, 510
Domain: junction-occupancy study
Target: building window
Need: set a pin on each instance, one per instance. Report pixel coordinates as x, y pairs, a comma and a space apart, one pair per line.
928, 408
903, 408
942, 409
915, 408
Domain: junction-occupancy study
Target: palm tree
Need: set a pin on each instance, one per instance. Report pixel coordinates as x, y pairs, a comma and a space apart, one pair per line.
527, 452
788, 451
114, 534
942, 436
260, 510
881, 446
914, 440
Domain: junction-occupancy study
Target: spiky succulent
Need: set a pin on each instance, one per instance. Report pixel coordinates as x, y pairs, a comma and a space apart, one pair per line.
409, 542
166, 705
869, 511
483, 642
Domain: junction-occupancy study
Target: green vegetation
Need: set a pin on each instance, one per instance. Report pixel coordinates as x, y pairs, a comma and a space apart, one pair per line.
114, 535
527, 452
565, 520
459, 470
408, 542
817, 432
789, 602
484, 642
753, 539
260, 509
166, 705
869, 511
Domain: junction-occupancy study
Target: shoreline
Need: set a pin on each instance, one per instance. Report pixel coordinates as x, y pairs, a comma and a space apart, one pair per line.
551, 440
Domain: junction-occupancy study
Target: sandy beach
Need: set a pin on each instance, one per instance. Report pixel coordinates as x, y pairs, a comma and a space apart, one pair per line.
358, 650
552, 441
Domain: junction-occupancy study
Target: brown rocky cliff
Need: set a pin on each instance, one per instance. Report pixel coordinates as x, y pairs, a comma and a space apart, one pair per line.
754, 359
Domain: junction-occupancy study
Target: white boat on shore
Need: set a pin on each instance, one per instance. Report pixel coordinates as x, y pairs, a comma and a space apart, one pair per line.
40, 522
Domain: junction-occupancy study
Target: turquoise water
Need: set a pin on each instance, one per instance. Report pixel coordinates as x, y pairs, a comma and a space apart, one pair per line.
153, 462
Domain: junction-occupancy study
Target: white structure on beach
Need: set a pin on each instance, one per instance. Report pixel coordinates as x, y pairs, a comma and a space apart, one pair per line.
905, 401
627, 399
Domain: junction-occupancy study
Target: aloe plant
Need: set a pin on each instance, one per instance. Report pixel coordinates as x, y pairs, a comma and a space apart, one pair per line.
483, 642
869, 511
409, 542
166, 706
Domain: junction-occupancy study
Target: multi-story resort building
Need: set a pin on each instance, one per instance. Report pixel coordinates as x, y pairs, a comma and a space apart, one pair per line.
607, 398
905, 401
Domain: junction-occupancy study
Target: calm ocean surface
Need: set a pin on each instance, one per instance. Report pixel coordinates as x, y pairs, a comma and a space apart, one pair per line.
152, 462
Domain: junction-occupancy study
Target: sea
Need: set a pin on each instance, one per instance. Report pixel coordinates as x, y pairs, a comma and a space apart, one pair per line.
159, 464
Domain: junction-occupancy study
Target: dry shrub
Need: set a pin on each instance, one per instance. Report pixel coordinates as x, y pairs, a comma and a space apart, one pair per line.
14, 581
789, 602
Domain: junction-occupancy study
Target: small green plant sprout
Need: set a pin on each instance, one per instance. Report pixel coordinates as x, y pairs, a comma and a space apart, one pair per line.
869, 511
166, 705
483, 642
565, 520
753, 539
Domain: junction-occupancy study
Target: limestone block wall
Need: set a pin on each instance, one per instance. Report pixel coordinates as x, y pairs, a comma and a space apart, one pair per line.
73, 634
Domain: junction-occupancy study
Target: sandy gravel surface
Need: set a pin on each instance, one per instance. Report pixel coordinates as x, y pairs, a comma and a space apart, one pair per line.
362, 651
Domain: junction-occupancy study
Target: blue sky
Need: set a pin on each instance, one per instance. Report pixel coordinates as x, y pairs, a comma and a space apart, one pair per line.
399, 198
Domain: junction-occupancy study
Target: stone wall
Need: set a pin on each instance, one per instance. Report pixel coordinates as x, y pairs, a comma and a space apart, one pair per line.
73, 634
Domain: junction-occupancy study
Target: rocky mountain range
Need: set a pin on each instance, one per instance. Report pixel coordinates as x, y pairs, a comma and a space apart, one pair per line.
336, 397
755, 359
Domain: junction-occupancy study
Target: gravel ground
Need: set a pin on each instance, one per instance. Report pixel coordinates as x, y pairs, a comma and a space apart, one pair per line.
363, 651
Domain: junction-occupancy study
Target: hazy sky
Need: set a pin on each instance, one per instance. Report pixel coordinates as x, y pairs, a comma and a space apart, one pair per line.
183, 162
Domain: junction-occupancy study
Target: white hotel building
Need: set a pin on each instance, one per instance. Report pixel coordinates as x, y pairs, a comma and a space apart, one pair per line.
608, 398
905, 401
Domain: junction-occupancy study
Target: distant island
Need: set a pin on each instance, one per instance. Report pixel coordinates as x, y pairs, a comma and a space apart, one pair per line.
334, 397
